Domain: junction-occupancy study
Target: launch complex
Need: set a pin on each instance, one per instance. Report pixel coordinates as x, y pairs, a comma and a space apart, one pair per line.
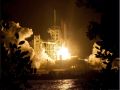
56, 47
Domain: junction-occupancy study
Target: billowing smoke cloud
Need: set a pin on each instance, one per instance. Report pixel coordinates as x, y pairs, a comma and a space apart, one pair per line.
36, 61
41, 58
102, 62
27, 47
25, 33
44, 56
13, 33
93, 60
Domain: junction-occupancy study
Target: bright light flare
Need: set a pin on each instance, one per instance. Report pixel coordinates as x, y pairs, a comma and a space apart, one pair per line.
63, 53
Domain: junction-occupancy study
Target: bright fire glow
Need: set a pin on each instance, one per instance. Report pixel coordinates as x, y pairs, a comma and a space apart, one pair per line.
63, 53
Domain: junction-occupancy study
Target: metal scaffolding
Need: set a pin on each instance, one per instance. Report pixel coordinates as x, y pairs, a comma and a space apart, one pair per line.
54, 43
37, 44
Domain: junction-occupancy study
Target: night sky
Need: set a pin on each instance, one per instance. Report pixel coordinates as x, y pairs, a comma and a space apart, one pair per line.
38, 15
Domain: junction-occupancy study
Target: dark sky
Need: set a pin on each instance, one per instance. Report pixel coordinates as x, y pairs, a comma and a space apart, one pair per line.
38, 15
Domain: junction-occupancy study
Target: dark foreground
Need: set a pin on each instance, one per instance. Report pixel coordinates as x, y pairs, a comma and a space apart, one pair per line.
63, 84
88, 81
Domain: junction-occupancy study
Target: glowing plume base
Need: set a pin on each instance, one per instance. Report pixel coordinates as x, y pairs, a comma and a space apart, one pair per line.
63, 54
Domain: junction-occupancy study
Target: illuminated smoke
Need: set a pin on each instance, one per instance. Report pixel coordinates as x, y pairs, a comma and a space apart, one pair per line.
98, 61
44, 56
27, 47
13, 33
36, 62
41, 58
92, 58
25, 33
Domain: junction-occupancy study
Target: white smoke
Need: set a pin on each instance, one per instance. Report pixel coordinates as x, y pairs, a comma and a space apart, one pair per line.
41, 58
98, 61
27, 47
93, 60
36, 61
15, 34
23, 33
44, 56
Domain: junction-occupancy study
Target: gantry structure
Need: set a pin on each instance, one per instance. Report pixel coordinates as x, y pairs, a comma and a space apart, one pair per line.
55, 41
37, 44
53, 44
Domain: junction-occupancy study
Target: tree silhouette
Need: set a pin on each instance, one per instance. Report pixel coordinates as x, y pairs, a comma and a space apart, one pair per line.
107, 30
15, 63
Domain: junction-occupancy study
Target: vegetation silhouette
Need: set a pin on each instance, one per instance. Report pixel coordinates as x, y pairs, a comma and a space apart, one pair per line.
15, 64
107, 30
106, 35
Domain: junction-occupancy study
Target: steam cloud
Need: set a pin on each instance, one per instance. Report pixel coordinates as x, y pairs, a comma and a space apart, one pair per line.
93, 60
13, 33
